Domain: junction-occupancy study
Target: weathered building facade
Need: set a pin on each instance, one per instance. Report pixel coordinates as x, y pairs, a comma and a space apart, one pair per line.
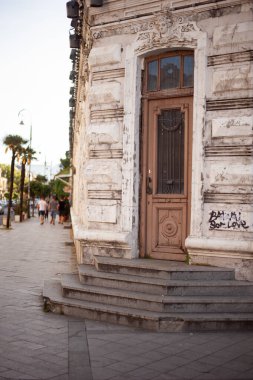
161, 131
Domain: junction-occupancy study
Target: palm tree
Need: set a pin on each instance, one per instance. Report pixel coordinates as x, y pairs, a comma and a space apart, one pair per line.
15, 144
27, 155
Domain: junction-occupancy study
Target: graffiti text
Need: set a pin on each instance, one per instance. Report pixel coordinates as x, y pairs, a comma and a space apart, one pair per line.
226, 220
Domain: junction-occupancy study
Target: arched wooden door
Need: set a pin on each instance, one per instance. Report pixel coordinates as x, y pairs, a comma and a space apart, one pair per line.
166, 159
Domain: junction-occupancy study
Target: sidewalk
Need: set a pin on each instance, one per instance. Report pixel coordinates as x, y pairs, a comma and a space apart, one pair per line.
39, 345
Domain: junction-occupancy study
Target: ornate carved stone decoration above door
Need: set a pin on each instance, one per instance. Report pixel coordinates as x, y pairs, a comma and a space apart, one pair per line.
167, 28
154, 31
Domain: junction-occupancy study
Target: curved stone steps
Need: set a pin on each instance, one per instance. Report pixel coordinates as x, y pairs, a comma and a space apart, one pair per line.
170, 270
72, 288
152, 285
170, 322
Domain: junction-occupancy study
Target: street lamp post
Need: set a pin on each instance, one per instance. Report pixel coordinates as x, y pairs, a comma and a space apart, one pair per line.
29, 167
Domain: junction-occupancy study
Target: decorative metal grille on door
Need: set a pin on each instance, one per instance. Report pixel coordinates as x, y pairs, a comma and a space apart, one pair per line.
170, 154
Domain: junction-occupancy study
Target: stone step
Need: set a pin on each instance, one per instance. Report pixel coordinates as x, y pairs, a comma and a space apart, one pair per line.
170, 270
67, 226
170, 322
161, 303
90, 276
69, 243
72, 288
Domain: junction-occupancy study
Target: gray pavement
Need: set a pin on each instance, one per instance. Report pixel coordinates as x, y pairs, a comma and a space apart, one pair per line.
35, 344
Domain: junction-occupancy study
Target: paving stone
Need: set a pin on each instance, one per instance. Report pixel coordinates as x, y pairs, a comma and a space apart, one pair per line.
248, 375
80, 373
193, 355
166, 376
56, 360
202, 367
3, 369
24, 345
115, 355
238, 365
163, 366
10, 374
186, 373
139, 360
61, 377
125, 377
153, 356
100, 362
214, 360
123, 367
79, 360
170, 349
104, 373
143, 373
225, 373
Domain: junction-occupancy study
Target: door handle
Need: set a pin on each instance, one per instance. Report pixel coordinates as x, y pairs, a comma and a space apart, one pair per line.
148, 185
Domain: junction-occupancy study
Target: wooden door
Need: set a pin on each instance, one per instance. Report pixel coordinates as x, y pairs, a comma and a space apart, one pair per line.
168, 177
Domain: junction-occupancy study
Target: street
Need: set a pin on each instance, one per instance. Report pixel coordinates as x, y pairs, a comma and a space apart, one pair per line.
35, 344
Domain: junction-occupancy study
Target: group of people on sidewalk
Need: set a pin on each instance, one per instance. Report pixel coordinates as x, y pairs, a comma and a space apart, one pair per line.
54, 207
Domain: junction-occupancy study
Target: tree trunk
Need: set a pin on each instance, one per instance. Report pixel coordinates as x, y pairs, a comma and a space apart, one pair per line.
11, 189
22, 182
33, 205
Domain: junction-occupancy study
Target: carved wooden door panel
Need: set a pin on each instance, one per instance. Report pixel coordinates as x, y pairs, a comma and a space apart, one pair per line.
168, 177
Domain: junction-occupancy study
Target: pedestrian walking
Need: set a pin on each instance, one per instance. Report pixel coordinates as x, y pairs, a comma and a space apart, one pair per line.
66, 209
47, 209
61, 210
42, 206
53, 207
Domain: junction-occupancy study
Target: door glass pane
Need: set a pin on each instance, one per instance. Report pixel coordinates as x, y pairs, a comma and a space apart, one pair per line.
169, 72
170, 152
152, 75
188, 71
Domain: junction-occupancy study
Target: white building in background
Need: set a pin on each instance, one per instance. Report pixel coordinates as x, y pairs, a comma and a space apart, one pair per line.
3, 185
161, 129
47, 170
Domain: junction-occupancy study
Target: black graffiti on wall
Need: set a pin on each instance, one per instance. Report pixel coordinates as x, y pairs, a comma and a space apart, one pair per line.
227, 220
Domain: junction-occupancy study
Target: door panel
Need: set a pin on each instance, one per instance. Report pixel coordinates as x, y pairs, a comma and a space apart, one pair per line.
168, 230
168, 177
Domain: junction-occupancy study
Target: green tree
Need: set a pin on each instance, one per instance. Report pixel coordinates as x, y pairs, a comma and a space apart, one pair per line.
46, 190
15, 144
65, 162
41, 178
35, 190
57, 188
58, 185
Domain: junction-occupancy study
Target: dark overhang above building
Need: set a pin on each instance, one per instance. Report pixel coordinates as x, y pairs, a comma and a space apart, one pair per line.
96, 3
72, 9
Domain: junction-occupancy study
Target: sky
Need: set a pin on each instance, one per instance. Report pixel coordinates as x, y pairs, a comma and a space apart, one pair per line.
34, 76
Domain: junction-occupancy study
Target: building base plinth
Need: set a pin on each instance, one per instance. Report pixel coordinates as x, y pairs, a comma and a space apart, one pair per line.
222, 253
91, 243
